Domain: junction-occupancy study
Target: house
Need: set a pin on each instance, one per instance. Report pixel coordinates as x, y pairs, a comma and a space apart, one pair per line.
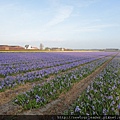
47, 48
4, 47
58, 49
54, 49
16, 48
7, 47
35, 48
111, 49
30, 47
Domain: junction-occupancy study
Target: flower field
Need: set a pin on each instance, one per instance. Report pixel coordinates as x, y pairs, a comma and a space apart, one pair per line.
102, 96
52, 74
51, 65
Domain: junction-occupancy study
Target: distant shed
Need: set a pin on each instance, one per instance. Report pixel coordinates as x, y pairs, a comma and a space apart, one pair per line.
30, 47
7, 47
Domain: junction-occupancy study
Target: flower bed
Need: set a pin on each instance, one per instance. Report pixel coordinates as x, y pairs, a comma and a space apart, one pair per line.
102, 96
42, 94
12, 81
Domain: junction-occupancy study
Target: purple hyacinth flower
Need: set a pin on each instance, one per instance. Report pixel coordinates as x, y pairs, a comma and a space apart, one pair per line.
16, 100
77, 109
0, 87
119, 107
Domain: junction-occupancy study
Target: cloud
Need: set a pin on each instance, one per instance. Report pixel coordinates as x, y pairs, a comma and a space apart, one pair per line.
102, 26
7, 6
54, 3
82, 3
56, 39
87, 29
62, 14
95, 28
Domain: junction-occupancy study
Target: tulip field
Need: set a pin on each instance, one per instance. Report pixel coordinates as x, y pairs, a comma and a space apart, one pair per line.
32, 81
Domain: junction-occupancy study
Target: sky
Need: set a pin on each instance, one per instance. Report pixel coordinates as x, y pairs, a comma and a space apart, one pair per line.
76, 24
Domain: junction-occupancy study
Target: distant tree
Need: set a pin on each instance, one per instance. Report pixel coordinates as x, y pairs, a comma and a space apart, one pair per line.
26, 46
47, 48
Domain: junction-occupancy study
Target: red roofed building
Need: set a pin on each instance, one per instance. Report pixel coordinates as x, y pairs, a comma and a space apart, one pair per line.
7, 47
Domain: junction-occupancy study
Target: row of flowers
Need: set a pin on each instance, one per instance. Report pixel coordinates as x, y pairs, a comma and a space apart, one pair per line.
21, 58
23, 68
42, 94
14, 63
12, 81
102, 96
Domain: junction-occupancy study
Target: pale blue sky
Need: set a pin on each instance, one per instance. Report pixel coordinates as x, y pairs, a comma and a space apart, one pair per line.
80, 24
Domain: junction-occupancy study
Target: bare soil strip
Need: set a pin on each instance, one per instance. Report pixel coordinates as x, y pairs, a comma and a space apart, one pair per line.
55, 107
66, 99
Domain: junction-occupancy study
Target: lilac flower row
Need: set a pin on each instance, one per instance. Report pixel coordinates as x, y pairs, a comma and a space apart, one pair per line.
11, 81
42, 94
102, 96
20, 58
8, 70
12, 63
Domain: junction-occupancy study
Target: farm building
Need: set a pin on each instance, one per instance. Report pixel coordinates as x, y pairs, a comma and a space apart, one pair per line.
7, 47
30, 47
54, 49
111, 49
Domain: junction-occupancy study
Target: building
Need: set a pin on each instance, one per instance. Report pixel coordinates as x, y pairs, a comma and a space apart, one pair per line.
47, 48
4, 47
41, 46
7, 47
111, 50
34, 48
29, 47
57, 49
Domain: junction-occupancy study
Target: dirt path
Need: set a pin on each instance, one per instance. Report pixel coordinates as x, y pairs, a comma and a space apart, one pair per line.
66, 99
